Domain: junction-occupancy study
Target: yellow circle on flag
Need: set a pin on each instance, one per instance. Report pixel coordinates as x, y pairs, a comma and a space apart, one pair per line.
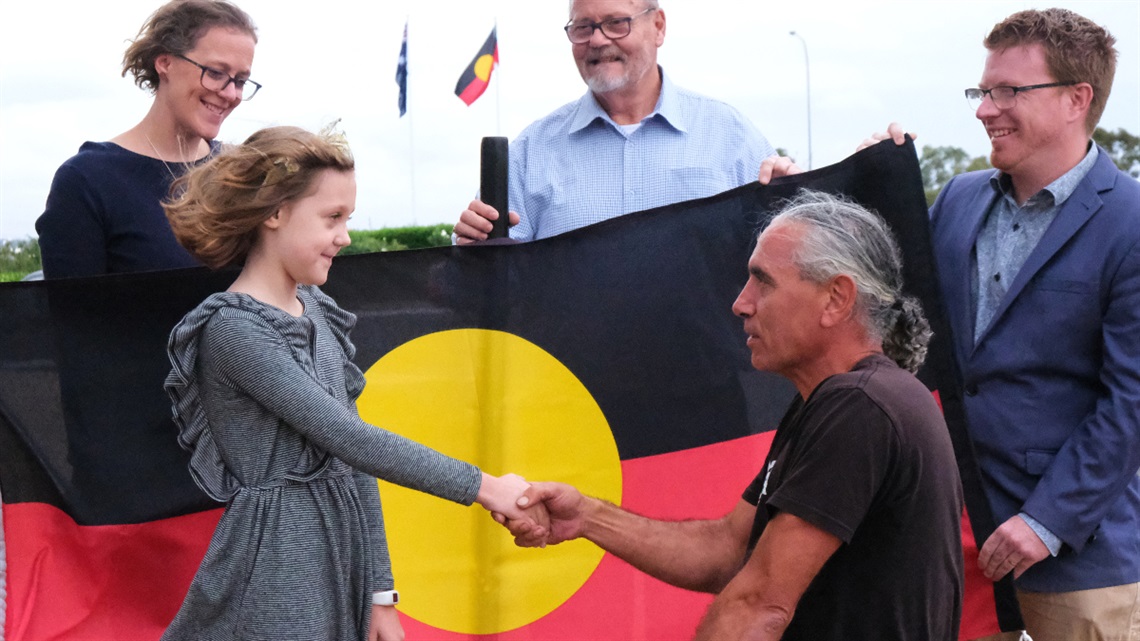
504, 404
483, 66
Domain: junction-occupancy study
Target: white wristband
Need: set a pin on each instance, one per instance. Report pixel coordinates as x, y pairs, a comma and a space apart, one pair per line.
390, 597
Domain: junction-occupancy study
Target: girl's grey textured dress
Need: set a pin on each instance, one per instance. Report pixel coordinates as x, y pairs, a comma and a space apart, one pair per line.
266, 404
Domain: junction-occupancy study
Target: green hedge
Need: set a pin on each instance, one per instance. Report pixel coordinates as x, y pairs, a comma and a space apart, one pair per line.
21, 257
396, 238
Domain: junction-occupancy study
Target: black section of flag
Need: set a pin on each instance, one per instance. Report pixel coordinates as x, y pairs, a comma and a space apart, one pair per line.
82, 362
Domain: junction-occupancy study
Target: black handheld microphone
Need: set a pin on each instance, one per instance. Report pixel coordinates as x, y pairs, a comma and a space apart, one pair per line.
493, 182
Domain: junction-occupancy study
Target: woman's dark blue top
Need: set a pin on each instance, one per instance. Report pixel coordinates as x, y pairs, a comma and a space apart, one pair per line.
104, 214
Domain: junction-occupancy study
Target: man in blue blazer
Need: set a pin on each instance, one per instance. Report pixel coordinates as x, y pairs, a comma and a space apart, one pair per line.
1039, 264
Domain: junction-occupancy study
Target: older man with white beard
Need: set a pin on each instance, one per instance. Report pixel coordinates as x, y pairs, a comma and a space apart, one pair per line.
634, 141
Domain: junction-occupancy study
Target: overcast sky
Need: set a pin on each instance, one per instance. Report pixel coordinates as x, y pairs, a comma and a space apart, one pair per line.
870, 62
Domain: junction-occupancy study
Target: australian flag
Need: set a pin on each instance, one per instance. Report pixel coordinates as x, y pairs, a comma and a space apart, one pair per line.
402, 73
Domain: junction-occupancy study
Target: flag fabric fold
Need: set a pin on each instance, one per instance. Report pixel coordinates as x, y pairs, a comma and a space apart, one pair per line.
105, 527
475, 78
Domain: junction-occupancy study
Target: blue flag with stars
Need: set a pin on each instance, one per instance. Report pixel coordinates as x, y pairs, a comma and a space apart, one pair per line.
402, 73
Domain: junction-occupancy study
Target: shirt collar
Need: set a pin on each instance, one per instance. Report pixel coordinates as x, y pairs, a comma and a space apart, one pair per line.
1059, 189
667, 109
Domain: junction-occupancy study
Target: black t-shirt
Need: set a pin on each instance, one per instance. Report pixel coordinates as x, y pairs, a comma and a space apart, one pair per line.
868, 458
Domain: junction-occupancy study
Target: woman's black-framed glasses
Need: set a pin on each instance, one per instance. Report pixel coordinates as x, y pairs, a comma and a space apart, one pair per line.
1004, 97
613, 28
217, 80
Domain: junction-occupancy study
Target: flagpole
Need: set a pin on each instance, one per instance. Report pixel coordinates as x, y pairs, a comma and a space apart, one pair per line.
411, 149
498, 88
412, 163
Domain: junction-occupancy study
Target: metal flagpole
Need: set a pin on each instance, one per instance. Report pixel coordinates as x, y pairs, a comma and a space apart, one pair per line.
411, 148
807, 73
412, 164
498, 88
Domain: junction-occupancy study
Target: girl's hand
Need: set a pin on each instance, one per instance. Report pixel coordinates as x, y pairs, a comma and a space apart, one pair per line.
385, 624
499, 495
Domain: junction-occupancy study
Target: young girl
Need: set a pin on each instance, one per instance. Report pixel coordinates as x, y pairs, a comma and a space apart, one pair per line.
264, 386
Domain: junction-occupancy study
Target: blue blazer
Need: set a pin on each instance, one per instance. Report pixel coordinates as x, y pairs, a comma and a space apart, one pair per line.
1052, 388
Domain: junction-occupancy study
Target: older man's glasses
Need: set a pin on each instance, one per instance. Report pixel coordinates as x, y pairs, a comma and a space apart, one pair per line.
217, 80
1005, 97
613, 28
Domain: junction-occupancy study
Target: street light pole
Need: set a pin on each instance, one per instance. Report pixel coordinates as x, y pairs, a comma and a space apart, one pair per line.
807, 71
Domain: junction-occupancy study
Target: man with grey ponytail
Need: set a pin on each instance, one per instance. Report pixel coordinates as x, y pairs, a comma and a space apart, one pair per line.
850, 528
841, 237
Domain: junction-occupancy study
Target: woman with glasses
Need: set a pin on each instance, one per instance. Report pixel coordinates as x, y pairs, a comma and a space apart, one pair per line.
103, 212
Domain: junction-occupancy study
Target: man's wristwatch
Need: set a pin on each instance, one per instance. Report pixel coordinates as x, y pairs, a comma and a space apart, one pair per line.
389, 597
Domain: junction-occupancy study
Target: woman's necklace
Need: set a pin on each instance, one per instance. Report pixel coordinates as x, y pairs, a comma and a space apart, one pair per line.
158, 155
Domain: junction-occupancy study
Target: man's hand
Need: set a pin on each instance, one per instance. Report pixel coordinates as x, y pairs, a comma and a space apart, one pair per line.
777, 167
567, 512
1013, 546
894, 132
475, 223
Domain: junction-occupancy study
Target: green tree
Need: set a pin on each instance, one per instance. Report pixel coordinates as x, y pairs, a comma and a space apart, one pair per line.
940, 164
1123, 147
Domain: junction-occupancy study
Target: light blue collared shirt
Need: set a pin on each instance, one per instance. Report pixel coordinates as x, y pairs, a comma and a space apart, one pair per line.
576, 166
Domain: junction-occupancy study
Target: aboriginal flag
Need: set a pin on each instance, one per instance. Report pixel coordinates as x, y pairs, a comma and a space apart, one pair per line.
608, 357
475, 78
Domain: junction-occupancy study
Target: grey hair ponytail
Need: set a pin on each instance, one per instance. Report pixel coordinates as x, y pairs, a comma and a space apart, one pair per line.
842, 237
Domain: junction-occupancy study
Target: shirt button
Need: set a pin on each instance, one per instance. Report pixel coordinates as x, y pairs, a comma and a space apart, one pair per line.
971, 390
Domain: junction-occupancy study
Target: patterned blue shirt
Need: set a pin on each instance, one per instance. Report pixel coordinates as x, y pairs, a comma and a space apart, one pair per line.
1010, 233
576, 166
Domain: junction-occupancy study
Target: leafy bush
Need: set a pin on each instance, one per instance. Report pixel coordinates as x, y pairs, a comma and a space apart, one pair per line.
397, 238
367, 243
18, 258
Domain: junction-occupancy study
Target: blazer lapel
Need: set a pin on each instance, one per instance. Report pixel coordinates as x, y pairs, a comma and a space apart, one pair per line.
960, 258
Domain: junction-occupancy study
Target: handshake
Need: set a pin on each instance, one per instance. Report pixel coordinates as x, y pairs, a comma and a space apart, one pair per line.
537, 514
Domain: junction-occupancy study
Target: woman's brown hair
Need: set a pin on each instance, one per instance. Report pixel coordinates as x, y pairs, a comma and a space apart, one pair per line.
175, 28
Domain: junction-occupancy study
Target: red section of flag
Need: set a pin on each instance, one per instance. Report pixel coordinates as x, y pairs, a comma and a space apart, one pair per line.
67, 581
979, 609
129, 580
617, 602
473, 90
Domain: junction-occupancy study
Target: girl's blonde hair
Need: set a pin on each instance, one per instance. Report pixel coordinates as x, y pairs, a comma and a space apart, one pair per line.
220, 205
